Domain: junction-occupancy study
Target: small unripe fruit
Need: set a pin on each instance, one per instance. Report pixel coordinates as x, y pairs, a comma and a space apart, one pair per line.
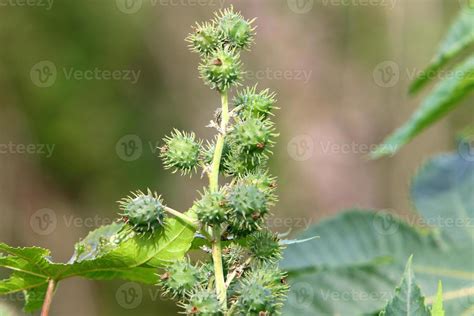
253, 135
263, 181
254, 300
234, 30
270, 276
265, 246
221, 69
233, 255
262, 291
204, 40
239, 163
249, 206
181, 152
143, 212
211, 209
254, 105
203, 302
180, 278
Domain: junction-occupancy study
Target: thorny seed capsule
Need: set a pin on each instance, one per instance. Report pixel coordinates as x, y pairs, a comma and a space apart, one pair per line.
202, 302
180, 278
233, 29
204, 39
181, 152
211, 209
251, 104
143, 212
221, 69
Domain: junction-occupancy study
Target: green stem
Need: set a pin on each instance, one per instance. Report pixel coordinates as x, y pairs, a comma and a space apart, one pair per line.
188, 220
221, 289
216, 161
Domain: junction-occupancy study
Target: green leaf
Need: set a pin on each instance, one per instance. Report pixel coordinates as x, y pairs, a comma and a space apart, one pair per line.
135, 257
360, 256
443, 99
459, 38
110, 252
408, 299
34, 298
30, 274
437, 309
443, 194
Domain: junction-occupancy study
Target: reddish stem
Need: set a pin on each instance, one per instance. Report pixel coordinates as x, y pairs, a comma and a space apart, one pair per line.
48, 299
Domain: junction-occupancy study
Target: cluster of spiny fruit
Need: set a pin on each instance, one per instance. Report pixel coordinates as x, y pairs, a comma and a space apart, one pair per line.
255, 285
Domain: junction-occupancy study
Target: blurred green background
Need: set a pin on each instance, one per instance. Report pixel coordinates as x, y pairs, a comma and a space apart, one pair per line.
89, 88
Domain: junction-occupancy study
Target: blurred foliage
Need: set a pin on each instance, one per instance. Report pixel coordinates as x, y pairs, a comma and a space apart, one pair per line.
86, 118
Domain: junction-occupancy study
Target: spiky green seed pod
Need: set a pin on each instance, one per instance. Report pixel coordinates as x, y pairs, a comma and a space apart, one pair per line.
253, 104
233, 255
221, 69
263, 181
237, 163
269, 276
180, 278
262, 291
265, 246
249, 207
255, 300
253, 135
212, 208
181, 152
233, 29
203, 302
143, 212
205, 39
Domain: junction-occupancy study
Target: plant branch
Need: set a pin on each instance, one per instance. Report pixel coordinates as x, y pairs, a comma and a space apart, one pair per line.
48, 298
182, 216
188, 220
237, 271
221, 289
